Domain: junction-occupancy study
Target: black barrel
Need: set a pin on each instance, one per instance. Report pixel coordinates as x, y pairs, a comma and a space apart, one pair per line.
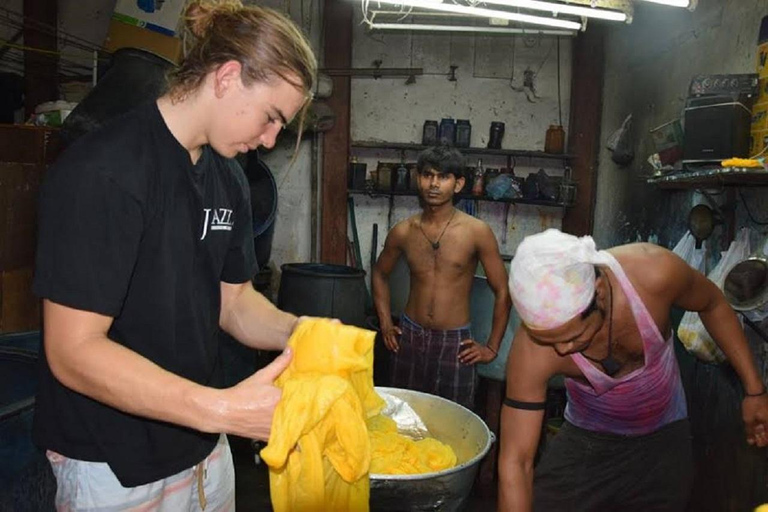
381, 354
134, 77
318, 289
263, 206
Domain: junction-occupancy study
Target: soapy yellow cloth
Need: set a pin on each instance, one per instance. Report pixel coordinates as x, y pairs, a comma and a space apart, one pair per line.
327, 433
396, 454
319, 452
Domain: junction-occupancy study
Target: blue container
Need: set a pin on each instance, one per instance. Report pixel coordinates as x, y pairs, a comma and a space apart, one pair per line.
28, 341
26, 480
447, 135
463, 133
18, 385
481, 312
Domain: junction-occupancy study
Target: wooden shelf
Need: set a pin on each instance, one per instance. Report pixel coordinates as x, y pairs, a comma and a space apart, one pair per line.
394, 193
518, 153
712, 177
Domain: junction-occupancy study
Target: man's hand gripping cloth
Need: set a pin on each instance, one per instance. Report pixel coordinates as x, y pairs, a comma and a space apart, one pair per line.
552, 278
319, 451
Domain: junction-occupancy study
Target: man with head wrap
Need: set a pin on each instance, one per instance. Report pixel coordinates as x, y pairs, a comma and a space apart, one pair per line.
601, 319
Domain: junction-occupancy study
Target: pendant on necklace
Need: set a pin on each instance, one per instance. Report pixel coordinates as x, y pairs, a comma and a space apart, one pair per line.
611, 366
435, 245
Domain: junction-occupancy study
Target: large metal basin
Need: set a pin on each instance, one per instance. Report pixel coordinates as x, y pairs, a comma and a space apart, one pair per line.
446, 490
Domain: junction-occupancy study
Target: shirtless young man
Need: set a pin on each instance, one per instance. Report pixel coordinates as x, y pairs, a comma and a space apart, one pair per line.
601, 319
433, 349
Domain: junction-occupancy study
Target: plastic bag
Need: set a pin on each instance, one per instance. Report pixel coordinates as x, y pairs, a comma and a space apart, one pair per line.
499, 187
620, 143
692, 332
686, 249
503, 186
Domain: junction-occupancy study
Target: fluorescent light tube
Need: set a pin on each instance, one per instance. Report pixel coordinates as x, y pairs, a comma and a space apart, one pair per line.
465, 28
486, 13
673, 3
587, 12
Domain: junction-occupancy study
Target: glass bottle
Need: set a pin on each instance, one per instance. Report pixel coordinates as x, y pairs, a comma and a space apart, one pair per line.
477, 184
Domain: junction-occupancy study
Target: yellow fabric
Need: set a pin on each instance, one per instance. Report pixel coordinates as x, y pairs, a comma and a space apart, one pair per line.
395, 454
327, 433
319, 451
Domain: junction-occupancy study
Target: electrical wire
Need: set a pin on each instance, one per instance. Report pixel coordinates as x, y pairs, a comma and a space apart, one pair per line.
5, 43
559, 101
760, 153
16, 20
749, 212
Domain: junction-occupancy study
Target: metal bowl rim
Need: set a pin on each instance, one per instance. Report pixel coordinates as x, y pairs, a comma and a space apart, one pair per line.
757, 302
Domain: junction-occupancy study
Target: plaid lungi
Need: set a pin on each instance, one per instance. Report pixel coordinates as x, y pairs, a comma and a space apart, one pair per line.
428, 361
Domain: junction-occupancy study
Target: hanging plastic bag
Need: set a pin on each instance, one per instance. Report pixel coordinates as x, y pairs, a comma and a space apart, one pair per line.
692, 332
686, 249
620, 143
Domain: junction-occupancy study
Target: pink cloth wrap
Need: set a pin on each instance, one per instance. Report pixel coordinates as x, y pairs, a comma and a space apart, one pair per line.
552, 277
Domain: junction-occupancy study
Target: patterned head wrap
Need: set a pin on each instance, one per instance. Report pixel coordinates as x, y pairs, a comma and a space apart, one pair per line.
552, 278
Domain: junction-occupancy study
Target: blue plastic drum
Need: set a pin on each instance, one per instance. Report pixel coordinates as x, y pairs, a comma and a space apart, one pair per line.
26, 481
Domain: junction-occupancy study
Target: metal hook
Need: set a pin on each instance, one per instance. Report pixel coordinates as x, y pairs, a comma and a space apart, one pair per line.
452, 74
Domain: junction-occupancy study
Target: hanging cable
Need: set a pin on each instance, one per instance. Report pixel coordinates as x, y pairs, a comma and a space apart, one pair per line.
559, 103
749, 212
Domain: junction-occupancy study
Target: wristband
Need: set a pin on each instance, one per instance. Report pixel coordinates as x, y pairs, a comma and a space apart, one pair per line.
763, 392
496, 353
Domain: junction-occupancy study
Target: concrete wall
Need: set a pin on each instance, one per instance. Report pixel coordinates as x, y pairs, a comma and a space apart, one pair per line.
649, 65
293, 230
490, 68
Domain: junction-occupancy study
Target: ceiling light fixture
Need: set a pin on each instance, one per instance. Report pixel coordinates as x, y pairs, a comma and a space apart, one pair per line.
486, 13
587, 12
467, 28
673, 3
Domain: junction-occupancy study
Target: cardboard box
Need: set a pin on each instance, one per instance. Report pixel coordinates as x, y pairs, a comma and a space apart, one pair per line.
157, 15
121, 35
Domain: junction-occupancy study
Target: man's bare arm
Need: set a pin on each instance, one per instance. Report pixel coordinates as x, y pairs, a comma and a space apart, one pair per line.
251, 319
496, 273
692, 291
380, 283
529, 368
84, 359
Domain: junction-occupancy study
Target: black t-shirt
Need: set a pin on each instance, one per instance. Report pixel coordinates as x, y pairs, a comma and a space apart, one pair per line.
130, 228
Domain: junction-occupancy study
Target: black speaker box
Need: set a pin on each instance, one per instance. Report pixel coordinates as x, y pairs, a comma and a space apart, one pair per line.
716, 128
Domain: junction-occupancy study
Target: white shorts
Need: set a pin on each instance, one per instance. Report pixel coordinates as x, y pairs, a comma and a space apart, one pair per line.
92, 486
